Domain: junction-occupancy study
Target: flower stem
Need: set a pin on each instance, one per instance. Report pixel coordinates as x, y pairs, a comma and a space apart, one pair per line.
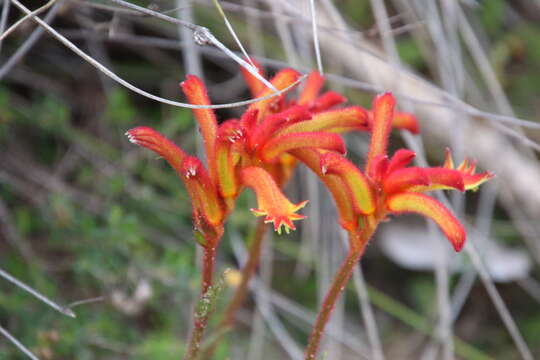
247, 273
241, 291
358, 243
200, 318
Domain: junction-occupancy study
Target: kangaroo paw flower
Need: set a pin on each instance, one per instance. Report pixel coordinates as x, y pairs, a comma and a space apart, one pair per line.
467, 169
271, 201
431, 208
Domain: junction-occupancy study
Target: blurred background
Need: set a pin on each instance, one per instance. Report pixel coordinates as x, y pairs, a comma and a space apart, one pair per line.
87, 217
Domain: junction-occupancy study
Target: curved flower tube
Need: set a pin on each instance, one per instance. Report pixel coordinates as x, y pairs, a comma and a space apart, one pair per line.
387, 186
261, 149
272, 203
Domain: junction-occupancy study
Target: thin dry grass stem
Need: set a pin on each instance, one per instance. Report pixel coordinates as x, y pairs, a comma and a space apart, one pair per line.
484, 217
263, 298
450, 68
86, 301
201, 36
17, 343
38, 11
519, 135
28, 43
115, 9
275, 325
61, 309
233, 34
314, 29
248, 270
254, 29
191, 54
531, 287
498, 302
482, 63
444, 325
453, 103
367, 314
461, 292
131, 87
289, 308
284, 33
310, 235
4, 18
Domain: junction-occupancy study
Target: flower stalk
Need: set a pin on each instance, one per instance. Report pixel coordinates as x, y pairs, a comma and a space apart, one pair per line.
202, 313
261, 149
338, 285
241, 291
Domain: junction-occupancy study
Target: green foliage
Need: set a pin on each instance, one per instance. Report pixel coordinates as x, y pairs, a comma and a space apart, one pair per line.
492, 15
160, 346
410, 53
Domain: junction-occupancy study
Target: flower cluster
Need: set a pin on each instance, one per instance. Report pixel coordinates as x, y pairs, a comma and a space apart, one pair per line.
255, 150
262, 147
387, 185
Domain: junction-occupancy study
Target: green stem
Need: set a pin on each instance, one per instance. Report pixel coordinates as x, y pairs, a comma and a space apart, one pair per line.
200, 318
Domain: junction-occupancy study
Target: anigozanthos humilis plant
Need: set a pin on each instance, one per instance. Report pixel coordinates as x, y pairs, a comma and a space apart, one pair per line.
260, 150
252, 151
386, 186
310, 121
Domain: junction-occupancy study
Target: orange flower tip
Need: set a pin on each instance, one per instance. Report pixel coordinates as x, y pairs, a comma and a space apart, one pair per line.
448, 161
473, 181
131, 138
459, 243
406, 121
401, 158
384, 99
230, 131
191, 166
279, 221
327, 101
148, 138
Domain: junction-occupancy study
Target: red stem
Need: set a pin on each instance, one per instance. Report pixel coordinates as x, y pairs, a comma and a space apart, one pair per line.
247, 273
241, 291
358, 242
200, 321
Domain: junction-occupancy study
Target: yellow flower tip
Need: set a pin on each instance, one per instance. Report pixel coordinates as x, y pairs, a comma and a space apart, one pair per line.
467, 170
283, 219
300, 206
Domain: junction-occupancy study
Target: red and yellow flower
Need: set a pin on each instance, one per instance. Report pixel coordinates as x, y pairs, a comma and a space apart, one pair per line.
261, 149
264, 137
388, 186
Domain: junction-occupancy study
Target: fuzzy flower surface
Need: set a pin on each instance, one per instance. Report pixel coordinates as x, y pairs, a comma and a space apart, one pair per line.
257, 149
388, 185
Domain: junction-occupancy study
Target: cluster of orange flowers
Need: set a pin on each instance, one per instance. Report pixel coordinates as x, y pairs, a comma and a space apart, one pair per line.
261, 149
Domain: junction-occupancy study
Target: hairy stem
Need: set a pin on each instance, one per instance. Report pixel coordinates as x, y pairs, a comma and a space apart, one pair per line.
358, 242
201, 314
241, 291
247, 273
